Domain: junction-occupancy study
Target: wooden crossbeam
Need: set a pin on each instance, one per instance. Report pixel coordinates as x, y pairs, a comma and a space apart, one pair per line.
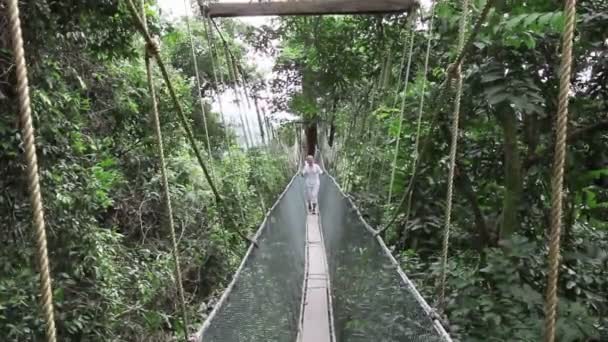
306, 7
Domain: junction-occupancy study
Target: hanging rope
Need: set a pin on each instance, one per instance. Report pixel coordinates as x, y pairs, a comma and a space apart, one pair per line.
27, 130
150, 51
404, 55
183, 121
198, 77
474, 32
401, 112
443, 89
372, 133
240, 74
457, 69
139, 23
233, 81
215, 64
212, 51
410, 191
557, 180
232, 73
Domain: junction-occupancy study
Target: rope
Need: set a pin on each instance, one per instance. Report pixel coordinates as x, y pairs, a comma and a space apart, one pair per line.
139, 23
420, 111
209, 33
165, 183
476, 28
183, 121
402, 114
453, 148
212, 51
401, 66
557, 179
215, 52
237, 96
198, 77
27, 130
239, 72
444, 88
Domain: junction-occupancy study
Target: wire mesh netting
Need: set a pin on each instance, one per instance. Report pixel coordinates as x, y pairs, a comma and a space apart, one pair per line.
264, 302
371, 302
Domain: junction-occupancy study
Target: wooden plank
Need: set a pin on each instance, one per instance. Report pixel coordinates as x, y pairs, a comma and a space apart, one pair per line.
306, 7
316, 321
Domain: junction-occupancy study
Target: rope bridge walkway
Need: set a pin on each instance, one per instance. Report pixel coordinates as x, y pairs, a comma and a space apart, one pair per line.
320, 279
308, 278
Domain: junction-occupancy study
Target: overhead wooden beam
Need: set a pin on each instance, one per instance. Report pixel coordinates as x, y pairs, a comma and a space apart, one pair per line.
306, 7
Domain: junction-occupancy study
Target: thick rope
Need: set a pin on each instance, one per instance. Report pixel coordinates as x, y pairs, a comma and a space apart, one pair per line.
198, 77
153, 49
165, 181
139, 23
453, 148
27, 130
401, 113
557, 181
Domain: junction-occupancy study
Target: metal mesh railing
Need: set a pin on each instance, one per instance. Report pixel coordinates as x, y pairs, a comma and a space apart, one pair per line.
263, 302
372, 298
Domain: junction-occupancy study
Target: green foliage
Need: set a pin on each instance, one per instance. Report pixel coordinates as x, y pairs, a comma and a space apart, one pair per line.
497, 268
109, 245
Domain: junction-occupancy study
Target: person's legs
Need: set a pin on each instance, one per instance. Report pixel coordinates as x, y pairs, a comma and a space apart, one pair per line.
315, 195
309, 198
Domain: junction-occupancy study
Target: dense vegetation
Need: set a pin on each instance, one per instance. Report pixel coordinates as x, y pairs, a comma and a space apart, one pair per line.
349, 72
108, 241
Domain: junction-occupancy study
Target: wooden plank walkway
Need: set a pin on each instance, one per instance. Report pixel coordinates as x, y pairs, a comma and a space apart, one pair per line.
316, 317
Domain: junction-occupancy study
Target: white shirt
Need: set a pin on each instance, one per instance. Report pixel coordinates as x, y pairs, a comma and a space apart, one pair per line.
311, 174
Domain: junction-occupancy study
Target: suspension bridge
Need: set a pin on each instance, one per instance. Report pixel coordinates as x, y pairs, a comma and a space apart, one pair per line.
304, 277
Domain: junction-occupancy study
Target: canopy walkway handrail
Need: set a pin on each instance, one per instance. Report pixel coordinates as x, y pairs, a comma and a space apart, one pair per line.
250, 249
425, 306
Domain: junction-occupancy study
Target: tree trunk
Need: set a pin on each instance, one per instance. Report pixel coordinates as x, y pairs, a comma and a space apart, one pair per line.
513, 181
332, 133
311, 138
